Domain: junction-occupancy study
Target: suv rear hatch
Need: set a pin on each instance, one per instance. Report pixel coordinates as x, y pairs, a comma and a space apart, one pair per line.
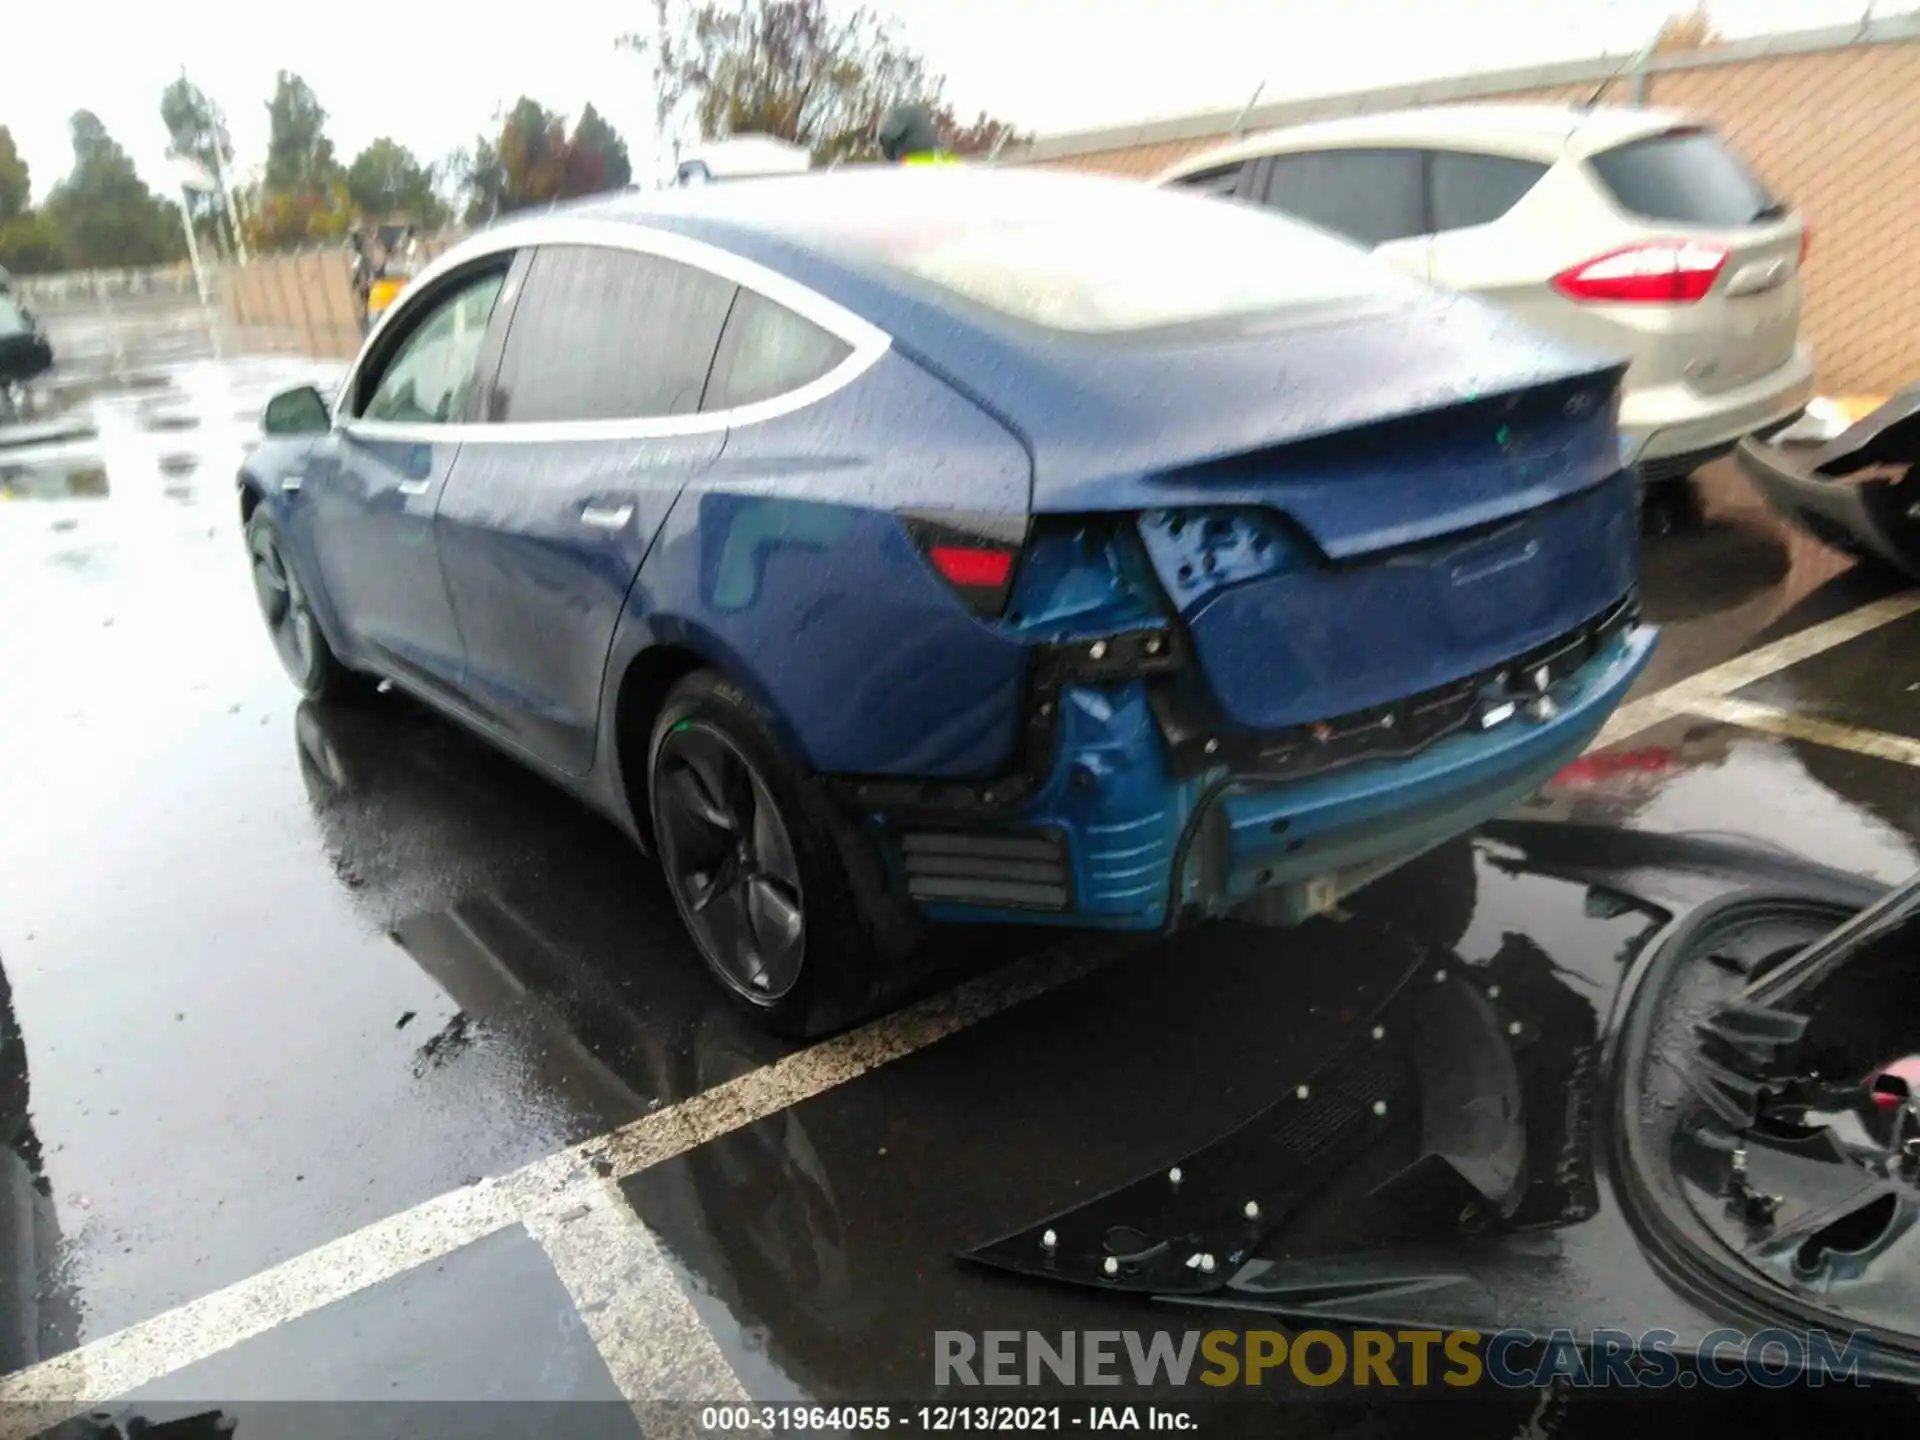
1701, 262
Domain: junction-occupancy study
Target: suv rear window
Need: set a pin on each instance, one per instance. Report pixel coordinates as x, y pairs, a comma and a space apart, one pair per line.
1686, 177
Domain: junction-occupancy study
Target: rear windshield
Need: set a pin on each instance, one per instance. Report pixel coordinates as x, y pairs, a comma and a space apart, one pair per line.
1686, 177
1096, 257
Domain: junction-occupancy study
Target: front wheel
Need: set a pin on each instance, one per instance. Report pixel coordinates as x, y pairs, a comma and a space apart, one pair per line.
750, 853
304, 653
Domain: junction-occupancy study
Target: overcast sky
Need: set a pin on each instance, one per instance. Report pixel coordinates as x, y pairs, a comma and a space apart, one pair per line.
1046, 65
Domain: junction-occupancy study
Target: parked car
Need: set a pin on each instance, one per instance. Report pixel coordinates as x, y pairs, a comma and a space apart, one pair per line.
1637, 231
994, 545
742, 157
24, 352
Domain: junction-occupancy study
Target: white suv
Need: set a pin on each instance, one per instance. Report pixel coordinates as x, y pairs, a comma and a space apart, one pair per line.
1631, 231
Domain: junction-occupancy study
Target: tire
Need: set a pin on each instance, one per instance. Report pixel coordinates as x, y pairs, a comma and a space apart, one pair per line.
753, 856
309, 661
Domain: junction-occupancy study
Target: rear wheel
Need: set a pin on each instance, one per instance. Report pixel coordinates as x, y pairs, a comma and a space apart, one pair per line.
751, 855
304, 653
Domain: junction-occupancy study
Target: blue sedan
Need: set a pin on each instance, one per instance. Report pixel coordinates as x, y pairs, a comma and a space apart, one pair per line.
963, 545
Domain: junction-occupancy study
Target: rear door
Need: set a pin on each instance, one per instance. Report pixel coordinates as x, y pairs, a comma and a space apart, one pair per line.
1684, 187
592, 426
1373, 197
1469, 195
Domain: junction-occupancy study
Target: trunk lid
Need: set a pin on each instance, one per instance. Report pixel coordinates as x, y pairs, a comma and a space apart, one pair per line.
1351, 514
1377, 426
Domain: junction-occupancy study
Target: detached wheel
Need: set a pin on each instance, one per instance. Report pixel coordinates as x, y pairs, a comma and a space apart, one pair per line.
752, 858
304, 653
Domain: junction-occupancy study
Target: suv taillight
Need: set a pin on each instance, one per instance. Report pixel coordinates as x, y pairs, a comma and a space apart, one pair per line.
975, 554
1660, 272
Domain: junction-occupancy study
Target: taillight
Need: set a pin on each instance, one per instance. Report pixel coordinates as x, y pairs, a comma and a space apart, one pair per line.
972, 567
1806, 242
974, 554
1660, 272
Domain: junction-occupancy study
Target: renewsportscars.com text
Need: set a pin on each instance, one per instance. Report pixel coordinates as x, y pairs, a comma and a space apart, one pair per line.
1651, 1359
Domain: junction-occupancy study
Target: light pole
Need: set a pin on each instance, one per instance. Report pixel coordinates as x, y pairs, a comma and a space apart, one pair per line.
223, 146
193, 176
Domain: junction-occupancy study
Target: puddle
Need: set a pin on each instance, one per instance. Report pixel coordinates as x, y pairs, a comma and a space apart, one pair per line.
139, 380
169, 422
49, 482
40, 431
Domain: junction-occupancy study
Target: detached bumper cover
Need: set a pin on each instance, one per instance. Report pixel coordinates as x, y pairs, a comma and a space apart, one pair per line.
1828, 492
1137, 823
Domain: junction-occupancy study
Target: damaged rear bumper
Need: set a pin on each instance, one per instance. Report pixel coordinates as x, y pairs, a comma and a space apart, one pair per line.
1142, 818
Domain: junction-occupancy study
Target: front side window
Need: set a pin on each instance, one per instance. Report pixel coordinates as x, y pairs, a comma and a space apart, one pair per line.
430, 377
1370, 196
767, 351
606, 334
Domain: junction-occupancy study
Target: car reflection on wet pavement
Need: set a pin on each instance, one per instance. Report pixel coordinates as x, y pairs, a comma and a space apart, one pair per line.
274, 974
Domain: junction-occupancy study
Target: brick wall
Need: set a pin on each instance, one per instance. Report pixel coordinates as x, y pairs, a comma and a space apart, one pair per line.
1836, 131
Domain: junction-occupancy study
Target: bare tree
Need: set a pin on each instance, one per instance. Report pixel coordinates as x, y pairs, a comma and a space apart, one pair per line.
1687, 30
793, 69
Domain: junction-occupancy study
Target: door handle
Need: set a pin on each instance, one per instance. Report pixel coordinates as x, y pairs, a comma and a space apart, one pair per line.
414, 487
606, 517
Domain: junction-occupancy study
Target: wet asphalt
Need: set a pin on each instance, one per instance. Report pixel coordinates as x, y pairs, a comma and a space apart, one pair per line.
269, 973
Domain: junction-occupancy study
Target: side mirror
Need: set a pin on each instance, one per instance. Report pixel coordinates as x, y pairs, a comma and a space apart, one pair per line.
297, 412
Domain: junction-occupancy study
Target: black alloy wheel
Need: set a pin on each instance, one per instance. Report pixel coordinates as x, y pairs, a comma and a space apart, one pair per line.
283, 605
296, 634
730, 860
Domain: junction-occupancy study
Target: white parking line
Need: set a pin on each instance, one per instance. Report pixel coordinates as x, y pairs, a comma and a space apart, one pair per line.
1877, 743
547, 1194
632, 1303
537, 1195
1756, 664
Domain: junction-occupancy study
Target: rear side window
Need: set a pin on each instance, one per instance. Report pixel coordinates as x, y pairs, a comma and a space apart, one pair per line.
767, 351
1685, 177
1467, 189
1371, 196
1220, 180
603, 334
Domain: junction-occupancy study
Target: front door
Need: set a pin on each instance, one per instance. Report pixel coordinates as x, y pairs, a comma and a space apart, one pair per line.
373, 531
591, 431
